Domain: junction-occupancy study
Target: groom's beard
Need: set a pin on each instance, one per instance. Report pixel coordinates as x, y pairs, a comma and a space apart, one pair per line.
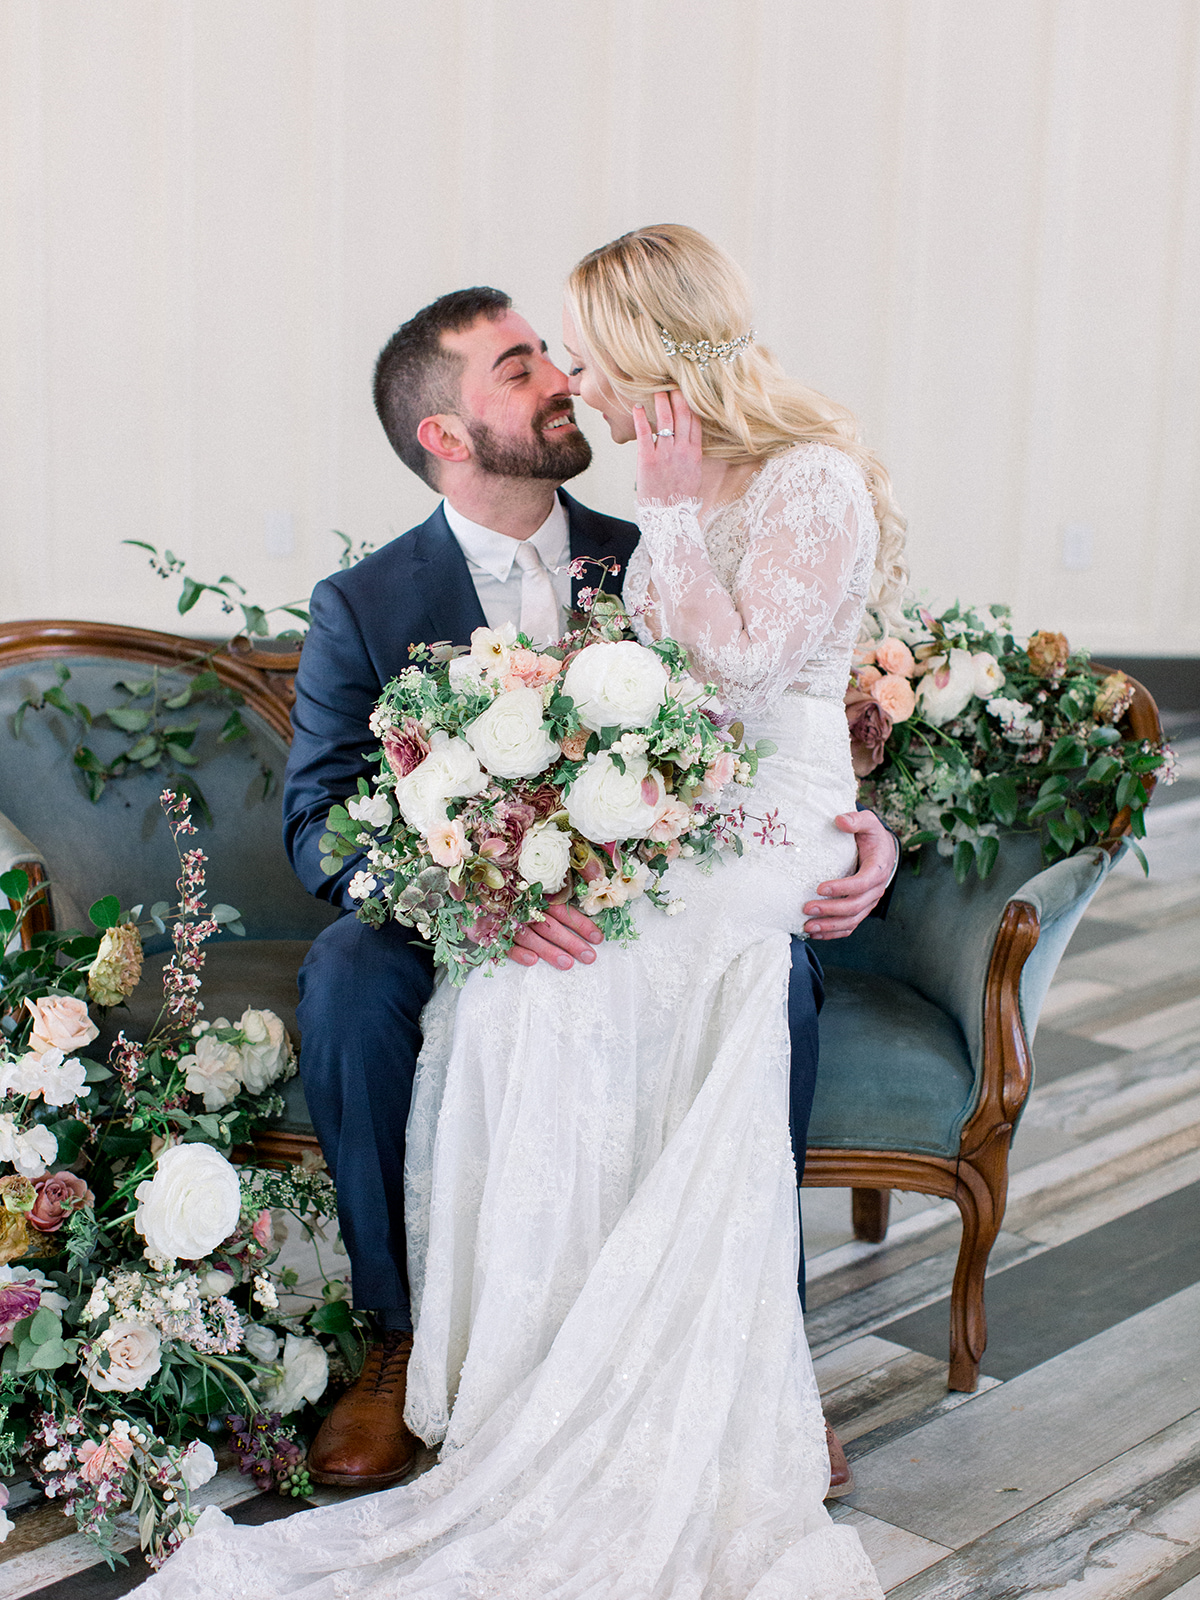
556, 459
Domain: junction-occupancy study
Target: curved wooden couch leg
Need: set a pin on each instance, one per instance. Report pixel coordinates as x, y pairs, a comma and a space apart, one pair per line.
980, 1195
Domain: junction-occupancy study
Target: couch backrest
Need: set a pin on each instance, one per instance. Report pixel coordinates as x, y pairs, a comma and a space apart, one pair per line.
121, 844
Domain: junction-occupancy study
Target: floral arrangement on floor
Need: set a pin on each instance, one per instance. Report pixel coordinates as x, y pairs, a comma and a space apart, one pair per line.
959, 729
141, 1298
511, 776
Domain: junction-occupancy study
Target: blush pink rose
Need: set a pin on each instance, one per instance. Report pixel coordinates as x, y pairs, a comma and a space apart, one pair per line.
60, 1023
58, 1195
672, 820
526, 669
893, 655
864, 677
717, 775
574, 745
896, 695
104, 1460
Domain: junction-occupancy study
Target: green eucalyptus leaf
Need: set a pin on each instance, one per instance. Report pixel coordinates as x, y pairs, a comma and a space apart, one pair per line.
964, 859
14, 884
106, 913
128, 718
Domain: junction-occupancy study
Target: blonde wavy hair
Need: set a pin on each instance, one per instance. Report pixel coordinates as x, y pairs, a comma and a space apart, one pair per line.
671, 278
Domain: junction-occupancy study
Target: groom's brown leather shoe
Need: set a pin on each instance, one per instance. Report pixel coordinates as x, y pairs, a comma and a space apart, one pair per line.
363, 1442
841, 1479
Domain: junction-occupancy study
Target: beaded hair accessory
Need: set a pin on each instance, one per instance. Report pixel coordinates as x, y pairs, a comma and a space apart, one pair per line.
703, 350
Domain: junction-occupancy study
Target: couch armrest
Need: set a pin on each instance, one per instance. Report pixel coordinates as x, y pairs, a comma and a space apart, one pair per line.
1059, 895
18, 851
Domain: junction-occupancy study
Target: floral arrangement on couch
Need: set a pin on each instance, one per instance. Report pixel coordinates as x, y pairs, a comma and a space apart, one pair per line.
959, 730
142, 1304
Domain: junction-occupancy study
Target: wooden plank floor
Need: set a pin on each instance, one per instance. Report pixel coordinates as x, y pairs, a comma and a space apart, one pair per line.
1074, 1470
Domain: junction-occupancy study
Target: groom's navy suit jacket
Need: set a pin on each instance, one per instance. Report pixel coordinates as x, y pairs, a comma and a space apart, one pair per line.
417, 589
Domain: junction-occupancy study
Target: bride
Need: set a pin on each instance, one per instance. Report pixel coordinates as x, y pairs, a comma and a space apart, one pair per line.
602, 1208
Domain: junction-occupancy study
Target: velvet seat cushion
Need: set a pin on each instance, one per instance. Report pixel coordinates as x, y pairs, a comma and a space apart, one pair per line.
895, 1071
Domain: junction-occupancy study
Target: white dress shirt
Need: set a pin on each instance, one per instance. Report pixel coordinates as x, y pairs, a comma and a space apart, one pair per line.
491, 560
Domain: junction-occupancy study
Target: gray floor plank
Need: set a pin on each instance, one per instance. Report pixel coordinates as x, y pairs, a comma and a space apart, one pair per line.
1107, 1536
958, 1476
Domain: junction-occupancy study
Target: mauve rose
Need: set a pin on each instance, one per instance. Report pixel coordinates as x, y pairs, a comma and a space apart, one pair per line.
869, 728
17, 1300
58, 1195
405, 751
484, 929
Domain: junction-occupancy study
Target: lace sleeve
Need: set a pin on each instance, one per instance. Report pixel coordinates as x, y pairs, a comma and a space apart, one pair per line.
805, 529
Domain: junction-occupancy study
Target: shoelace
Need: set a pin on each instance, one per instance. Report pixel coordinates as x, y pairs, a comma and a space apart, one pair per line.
391, 1361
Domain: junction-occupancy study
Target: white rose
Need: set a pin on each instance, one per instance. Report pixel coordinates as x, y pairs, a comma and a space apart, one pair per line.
947, 687
545, 856
266, 1052
989, 677
604, 803
374, 810
261, 1342
133, 1357
449, 771
213, 1071
616, 685
192, 1202
197, 1464
466, 673
510, 738
214, 1283
305, 1375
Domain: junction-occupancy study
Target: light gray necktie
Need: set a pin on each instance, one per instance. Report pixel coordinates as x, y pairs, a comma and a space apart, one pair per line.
539, 603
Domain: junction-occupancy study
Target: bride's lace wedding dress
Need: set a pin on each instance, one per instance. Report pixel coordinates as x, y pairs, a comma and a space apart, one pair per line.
602, 1206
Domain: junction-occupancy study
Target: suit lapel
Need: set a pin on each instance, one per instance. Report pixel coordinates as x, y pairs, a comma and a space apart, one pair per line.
452, 610
591, 536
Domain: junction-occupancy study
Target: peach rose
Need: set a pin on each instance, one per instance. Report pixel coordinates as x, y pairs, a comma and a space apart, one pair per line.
864, 677
60, 1023
574, 745
447, 842
896, 695
100, 1460
894, 656
526, 669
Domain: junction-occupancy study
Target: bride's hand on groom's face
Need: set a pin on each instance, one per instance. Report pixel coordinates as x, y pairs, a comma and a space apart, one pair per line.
565, 937
668, 466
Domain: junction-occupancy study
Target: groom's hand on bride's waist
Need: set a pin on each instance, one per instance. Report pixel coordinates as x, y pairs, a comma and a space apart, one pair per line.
563, 938
845, 902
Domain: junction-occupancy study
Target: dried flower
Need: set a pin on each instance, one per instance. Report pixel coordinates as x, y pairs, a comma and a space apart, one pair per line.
114, 974
1048, 654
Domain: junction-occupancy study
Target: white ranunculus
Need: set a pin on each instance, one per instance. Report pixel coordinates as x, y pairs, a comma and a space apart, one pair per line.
989, 676
510, 738
261, 1342
30, 1152
545, 856
616, 685
605, 804
133, 1357
373, 810
466, 673
449, 772
947, 687
190, 1205
212, 1071
266, 1052
305, 1376
197, 1464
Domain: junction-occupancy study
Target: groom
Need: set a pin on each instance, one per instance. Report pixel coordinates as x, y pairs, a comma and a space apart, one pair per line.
470, 400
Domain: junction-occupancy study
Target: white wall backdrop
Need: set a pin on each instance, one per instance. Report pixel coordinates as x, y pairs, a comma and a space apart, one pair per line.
976, 221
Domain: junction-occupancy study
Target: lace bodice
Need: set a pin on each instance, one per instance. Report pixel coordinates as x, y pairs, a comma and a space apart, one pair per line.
768, 594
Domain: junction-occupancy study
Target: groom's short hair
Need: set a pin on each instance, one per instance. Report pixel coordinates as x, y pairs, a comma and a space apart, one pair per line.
417, 377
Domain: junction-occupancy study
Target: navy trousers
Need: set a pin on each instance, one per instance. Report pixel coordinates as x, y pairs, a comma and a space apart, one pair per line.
362, 991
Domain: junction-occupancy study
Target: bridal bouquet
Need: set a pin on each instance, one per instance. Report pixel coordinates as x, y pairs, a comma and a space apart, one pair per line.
959, 729
511, 776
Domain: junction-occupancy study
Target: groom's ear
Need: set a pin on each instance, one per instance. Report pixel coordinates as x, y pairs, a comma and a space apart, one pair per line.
444, 437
